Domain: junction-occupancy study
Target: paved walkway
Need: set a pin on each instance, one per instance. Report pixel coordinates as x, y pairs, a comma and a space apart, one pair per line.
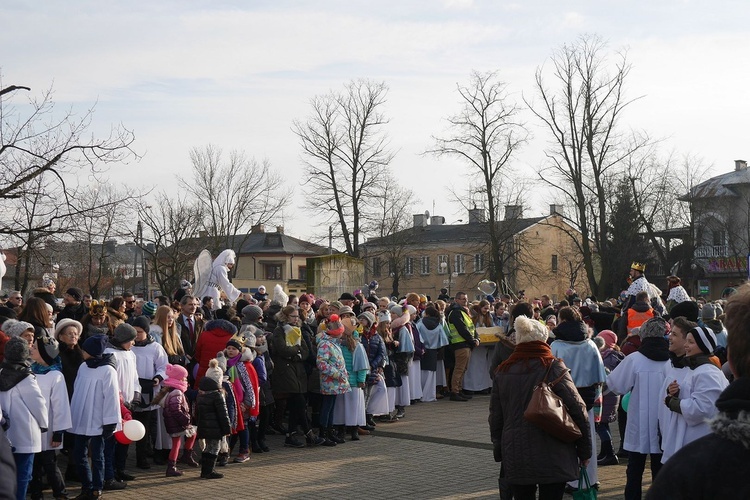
425, 455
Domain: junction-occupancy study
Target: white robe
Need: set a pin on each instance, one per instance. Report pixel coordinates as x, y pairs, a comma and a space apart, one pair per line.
643, 378
26, 412
55, 392
127, 373
671, 424
96, 400
699, 390
218, 279
150, 361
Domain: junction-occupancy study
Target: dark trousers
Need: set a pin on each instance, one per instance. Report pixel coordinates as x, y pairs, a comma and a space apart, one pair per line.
326, 411
297, 407
143, 446
264, 418
634, 474
92, 477
45, 464
553, 491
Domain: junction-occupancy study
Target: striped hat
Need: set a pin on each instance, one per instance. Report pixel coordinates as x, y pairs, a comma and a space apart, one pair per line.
705, 338
149, 309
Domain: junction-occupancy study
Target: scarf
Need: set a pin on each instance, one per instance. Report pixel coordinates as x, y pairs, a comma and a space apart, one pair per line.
526, 351
571, 331
105, 359
233, 361
677, 361
12, 374
655, 348
142, 343
694, 362
38, 369
735, 398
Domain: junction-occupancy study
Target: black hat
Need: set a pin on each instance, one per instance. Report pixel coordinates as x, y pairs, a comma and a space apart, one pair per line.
705, 338
95, 345
76, 293
689, 309
48, 349
142, 322
347, 296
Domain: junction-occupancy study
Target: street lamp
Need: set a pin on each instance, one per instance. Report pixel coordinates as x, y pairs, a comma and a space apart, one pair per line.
446, 267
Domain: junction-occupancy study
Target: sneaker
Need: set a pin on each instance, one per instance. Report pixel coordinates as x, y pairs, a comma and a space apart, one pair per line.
401, 413
114, 485
241, 458
457, 397
293, 442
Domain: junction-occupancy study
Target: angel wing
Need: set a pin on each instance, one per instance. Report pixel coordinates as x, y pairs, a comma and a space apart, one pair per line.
202, 272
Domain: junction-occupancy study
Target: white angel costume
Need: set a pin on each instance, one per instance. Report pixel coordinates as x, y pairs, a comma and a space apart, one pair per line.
210, 277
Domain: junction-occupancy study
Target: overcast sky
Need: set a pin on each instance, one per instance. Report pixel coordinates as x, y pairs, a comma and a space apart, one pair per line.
236, 74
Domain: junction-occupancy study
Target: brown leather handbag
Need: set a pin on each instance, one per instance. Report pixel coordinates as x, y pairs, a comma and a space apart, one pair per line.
547, 411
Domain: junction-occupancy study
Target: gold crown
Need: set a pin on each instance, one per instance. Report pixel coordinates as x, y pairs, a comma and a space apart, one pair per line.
638, 266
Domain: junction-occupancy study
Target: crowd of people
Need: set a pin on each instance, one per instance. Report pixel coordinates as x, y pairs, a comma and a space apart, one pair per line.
209, 377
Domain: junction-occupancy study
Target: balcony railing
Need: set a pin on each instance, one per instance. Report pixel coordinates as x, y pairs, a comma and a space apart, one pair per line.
709, 251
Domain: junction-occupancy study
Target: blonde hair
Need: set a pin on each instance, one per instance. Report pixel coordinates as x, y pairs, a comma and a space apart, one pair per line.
169, 340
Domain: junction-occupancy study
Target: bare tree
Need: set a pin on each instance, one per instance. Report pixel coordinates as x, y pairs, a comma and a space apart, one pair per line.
233, 193
345, 152
484, 136
582, 111
170, 239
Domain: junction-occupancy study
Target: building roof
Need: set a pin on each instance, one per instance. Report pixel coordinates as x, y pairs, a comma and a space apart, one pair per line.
270, 243
453, 233
719, 186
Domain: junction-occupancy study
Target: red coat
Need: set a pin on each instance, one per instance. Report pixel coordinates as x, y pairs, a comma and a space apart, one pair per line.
213, 339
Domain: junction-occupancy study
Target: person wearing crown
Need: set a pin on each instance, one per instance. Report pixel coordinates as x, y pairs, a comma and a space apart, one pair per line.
638, 283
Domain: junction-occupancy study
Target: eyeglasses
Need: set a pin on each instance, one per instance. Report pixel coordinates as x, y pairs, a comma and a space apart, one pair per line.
294, 316
130, 301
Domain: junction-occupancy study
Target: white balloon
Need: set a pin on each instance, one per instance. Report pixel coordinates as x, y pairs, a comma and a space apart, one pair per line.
133, 430
487, 287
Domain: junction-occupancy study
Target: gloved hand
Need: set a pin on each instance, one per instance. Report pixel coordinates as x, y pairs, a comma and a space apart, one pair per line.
108, 430
497, 451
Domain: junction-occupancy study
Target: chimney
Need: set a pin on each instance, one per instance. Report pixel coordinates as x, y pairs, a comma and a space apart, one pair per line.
203, 234
437, 220
420, 220
476, 216
513, 212
740, 165
258, 228
280, 229
555, 209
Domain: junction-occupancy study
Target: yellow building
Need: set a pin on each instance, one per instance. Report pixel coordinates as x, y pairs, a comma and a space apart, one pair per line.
537, 255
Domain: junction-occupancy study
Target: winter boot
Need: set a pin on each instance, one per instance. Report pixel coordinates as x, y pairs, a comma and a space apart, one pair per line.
334, 436
353, 433
172, 469
208, 461
370, 421
327, 435
222, 459
608, 455
187, 458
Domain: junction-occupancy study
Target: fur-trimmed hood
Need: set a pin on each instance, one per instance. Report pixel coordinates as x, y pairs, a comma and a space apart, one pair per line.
220, 324
733, 429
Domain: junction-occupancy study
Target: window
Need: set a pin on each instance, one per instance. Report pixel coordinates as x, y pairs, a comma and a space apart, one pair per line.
273, 271
409, 265
478, 262
302, 273
554, 263
459, 265
392, 267
424, 267
376, 266
442, 264
719, 237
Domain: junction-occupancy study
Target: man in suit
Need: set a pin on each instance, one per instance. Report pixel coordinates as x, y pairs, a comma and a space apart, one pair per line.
189, 326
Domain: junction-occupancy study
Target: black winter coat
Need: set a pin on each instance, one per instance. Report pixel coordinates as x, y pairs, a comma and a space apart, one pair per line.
289, 373
211, 411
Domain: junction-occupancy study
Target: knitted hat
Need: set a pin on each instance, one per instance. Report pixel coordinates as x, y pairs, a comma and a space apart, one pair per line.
123, 334
252, 312
609, 337
705, 338
708, 311
384, 317
185, 285
250, 339
397, 310
48, 349
654, 327
411, 308
529, 330
65, 323
142, 322
16, 350
369, 306
214, 372
334, 328
236, 342
367, 316
176, 377
47, 282
305, 298
279, 296
76, 293
345, 310
688, 309
95, 345
13, 328
149, 309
